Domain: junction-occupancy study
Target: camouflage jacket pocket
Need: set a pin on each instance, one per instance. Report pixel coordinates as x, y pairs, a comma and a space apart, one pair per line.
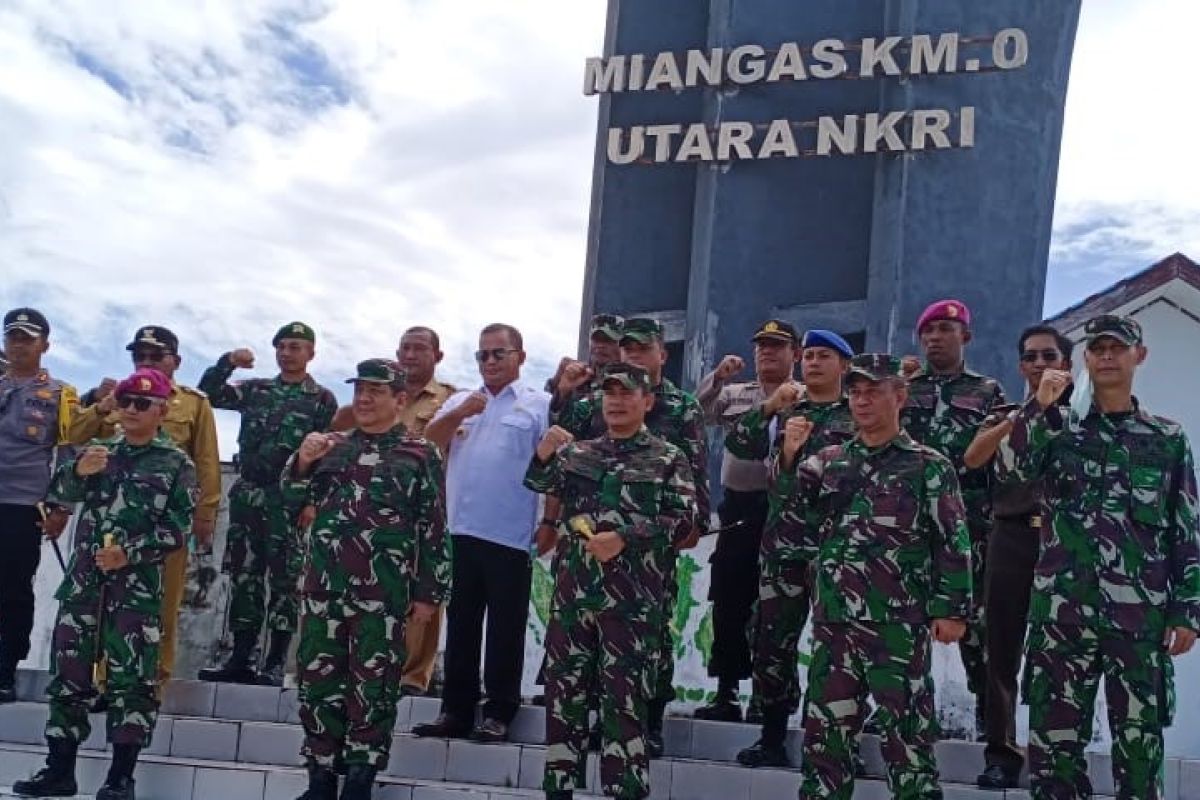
1148, 494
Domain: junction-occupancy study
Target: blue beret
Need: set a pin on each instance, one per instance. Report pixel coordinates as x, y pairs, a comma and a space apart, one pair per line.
819, 338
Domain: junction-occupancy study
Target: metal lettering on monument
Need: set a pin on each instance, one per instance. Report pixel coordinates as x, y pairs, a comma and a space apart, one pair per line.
827, 59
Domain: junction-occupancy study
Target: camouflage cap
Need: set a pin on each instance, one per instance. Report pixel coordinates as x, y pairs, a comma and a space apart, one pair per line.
628, 375
379, 370
874, 367
154, 336
1124, 329
643, 330
608, 325
294, 330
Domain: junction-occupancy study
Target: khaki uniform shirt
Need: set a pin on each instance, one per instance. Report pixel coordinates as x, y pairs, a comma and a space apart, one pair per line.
723, 403
189, 423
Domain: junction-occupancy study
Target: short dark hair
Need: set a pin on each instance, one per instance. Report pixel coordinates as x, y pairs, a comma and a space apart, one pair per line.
514, 335
433, 337
1041, 329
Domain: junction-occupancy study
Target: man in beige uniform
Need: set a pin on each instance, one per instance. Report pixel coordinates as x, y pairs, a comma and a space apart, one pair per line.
190, 424
419, 354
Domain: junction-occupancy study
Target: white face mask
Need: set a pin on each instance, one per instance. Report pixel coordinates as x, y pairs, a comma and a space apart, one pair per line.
1081, 394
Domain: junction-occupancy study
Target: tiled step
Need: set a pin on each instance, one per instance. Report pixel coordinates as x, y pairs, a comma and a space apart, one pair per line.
172, 778
169, 778
275, 745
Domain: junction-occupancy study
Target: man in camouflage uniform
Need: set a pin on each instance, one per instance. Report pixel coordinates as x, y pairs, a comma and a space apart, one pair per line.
1116, 590
628, 498
784, 588
1012, 556
378, 554
881, 520
190, 423
138, 492
572, 380
946, 405
678, 418
262, 548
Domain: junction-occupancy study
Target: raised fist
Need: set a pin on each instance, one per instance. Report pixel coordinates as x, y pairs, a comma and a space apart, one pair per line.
553, 439
242, 358
1054, 383
909, 365
787, 395
475, 403
315, 447
92, 462
574, 375
729, 366
795, 435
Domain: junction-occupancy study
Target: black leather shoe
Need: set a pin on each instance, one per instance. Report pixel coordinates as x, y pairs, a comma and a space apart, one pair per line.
723, 708
47, 783
762, 755
654, 744
444, 727
490, 731
117, 789
996, 777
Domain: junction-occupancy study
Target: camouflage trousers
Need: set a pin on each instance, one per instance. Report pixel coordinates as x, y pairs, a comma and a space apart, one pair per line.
971, 648
1063, 666
612, 651
663, 683
890, 663
784, 593
350, 659
129, 641
262, 553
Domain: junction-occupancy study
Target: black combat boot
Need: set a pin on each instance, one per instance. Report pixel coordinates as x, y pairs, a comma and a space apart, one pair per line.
58, 777
655, 710
769, 750
322, 783
725, 707
119, 783
276, 665
360, 779
237, 668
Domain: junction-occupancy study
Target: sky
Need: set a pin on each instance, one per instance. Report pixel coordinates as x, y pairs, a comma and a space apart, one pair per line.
228, 166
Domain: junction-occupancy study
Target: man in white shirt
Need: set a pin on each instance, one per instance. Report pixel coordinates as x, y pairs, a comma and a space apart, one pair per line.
489, 436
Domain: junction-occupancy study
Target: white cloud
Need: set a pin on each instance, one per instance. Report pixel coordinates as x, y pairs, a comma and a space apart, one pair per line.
226, 167
1129, 168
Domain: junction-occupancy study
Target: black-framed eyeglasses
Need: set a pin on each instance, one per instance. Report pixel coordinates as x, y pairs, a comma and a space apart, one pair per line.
1049, 356
495, 354
137, 401
153, 356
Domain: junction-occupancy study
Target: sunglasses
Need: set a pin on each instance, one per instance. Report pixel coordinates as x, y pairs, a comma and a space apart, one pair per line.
1049, 356
495, 354
138, 402
154, 356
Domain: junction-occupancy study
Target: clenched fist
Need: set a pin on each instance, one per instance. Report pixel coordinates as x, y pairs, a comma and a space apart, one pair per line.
243, 358
1054, 383
574, 375
909, 365
315, 447
795, 436
729, 366
554, 438
787, 395
948, 631
475, 403
92, 462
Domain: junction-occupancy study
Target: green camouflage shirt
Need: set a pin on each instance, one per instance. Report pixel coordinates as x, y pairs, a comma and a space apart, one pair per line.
884, 529
144, 498
640, 487
276, 416
1121, 549
945, 412
676, 416
379, 535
